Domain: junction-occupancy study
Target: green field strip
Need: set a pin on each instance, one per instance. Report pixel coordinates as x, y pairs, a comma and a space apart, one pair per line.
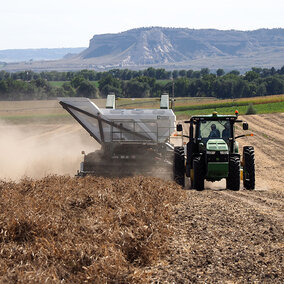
221, 109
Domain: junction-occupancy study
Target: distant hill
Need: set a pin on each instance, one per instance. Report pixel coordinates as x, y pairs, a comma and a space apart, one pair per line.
170, 45
18, 55
174, 48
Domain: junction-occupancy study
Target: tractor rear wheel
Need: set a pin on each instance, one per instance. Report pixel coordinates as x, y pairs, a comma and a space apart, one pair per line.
198, 174
249, 168
233, 179
179, 167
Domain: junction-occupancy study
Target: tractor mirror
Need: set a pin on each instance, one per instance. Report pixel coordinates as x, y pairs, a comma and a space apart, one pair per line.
179, 127
245, 126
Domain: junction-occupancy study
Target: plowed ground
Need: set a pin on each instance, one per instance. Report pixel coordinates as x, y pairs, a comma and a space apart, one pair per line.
62, 229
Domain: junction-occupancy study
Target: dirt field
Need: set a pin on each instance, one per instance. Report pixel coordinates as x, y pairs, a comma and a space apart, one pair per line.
60, 229
268, 140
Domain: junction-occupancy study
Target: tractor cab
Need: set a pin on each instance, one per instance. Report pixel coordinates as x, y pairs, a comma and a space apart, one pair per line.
212, 151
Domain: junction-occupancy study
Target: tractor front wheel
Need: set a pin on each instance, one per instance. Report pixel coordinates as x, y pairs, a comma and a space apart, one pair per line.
249, 168
233, 179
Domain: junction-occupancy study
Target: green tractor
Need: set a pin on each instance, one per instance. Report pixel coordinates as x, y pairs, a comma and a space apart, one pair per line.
212, 152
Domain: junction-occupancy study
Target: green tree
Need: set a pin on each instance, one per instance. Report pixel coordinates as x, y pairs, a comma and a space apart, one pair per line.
40, 83
87, 74
274, 85
261, 89
189, 73
204, 72
220, 72
182, 73
161, 74
150, 72
251, 75
3, 87
86, 89
175, 74
113, 85
234, 72
257, 69
68, 90
196, 74
181, 87
77, 81
272, 71
137, 89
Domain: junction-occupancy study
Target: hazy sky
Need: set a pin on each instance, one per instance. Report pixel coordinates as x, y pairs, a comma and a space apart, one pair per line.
70, 23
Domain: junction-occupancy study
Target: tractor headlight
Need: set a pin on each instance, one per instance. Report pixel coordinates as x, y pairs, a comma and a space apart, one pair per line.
211, 152
224, 152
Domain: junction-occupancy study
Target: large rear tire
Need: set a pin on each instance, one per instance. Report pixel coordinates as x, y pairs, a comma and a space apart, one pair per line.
179, 166
233, 179
198, 174
248, 168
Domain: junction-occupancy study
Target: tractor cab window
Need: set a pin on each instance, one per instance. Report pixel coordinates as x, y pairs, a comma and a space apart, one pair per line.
215, 130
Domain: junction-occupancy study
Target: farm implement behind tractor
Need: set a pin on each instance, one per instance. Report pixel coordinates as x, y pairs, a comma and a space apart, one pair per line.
133, 141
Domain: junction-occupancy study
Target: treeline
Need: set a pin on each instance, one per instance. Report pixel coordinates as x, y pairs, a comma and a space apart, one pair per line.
143, 83
41, 89
126, 74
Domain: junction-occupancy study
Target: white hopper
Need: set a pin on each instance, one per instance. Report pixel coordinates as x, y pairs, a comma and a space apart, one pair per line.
121, 125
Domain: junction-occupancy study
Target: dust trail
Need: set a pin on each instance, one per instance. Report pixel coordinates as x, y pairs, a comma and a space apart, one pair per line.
39, 150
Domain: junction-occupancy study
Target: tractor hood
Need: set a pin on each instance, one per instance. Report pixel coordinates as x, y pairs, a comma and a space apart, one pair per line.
216, 145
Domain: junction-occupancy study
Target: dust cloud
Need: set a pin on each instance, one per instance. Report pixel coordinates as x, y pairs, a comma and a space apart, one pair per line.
39, 150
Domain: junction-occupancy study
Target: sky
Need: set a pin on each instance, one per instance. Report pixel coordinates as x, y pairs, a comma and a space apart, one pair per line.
70, 23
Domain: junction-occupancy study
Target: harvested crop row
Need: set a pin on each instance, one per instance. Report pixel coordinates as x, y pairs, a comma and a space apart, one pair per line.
91, 229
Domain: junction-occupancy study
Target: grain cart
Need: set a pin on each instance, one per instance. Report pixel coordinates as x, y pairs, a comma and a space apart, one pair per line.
133, 141
213, 152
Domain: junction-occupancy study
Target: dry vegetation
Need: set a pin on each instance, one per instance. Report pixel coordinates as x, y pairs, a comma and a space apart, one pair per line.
92, 229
